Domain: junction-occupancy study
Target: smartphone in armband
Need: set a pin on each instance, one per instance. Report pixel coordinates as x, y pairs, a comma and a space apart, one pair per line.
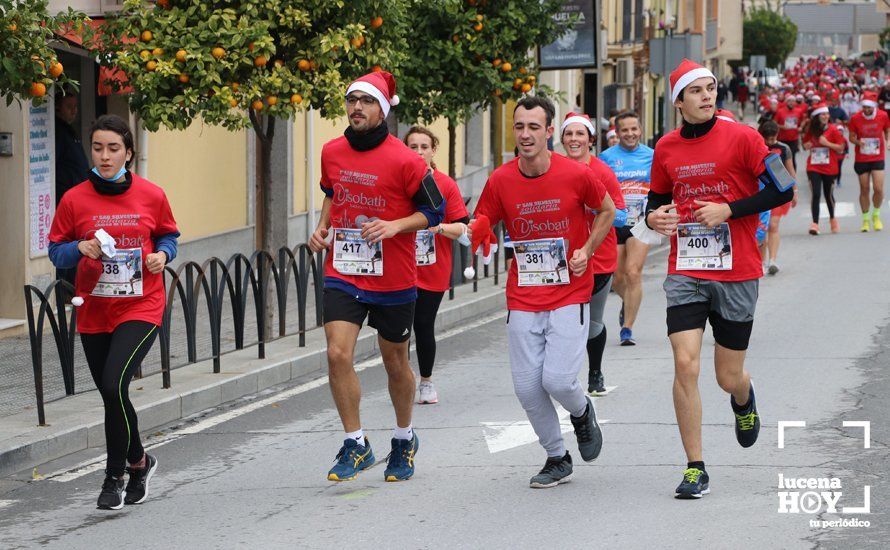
778, 174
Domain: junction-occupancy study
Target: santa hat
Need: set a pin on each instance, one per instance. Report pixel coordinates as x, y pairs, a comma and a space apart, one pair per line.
484, 241
575, 118
869, 99
88, 273
800, 97
685, 74
380, 85
611, 133
819, 109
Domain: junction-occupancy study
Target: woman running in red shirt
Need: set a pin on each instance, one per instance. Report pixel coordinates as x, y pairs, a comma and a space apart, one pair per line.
578, 138
433, 252
825, 144
119, 318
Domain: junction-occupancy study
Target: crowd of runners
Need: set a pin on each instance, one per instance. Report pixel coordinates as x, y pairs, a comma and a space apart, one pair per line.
580, 226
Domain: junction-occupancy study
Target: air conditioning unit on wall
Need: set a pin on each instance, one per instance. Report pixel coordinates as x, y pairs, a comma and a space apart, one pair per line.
624, 71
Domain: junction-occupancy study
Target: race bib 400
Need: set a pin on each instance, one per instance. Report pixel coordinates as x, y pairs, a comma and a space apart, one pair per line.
703, 248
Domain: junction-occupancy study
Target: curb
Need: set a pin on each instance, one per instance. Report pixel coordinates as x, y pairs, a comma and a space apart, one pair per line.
77, 421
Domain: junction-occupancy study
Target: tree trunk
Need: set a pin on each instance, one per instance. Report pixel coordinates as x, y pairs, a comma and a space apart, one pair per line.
264, 223
452, 149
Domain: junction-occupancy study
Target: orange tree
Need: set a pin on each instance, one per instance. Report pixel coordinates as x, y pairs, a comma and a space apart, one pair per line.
29, 65
468, 54
249, 64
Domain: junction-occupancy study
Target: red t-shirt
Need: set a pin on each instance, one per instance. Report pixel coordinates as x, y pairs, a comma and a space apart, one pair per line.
369, 185
818, 152
870, 130
437, 277
552, 205
789, 121
722, 166
133, 219
605, 259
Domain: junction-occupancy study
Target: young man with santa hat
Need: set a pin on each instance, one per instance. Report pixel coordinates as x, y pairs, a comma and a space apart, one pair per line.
543, 199
704, 195
870, 133
377, 194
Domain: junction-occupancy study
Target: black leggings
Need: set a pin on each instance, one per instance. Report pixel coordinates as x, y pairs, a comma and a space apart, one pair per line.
819, 183
793, 145
425, 310
112, 357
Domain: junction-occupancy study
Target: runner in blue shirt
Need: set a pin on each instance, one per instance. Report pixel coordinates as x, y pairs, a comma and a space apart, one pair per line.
632, 162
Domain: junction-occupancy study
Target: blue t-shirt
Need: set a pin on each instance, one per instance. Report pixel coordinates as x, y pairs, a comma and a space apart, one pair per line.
632, 168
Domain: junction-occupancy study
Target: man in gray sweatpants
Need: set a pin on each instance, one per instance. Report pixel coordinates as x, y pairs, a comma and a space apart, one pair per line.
542, 199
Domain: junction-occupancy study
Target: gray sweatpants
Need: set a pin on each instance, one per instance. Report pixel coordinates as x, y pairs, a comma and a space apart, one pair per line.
547, 350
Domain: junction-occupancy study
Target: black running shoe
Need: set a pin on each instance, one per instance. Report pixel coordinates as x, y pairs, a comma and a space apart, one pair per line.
596, 384
112, 495
137, 486
590, 436
694, 485
554, 472
747, 423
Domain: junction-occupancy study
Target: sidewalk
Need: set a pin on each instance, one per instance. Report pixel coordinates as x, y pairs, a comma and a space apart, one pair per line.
75, 423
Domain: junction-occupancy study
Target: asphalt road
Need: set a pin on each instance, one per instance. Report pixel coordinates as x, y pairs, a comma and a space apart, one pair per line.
819, 354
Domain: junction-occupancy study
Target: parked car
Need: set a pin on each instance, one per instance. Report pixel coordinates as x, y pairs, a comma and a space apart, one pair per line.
767, 77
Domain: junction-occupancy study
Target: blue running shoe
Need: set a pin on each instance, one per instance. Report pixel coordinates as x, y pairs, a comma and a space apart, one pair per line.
694, 485
400, 462
352, 459
627, 337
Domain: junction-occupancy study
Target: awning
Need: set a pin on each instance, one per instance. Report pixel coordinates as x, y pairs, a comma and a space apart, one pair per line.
109, 77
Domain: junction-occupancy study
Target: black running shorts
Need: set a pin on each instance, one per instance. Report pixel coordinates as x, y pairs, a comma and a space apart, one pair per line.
865, 167
623, 233
393, 323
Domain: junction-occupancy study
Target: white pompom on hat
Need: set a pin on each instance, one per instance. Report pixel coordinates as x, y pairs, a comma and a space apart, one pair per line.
685, 74
380, 85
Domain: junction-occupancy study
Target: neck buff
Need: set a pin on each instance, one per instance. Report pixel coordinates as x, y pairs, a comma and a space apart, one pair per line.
111, 187
368, 140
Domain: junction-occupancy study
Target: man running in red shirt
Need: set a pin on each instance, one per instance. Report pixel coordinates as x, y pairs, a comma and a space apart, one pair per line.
543, 200
377, 194
789, 117
704, 195
870, 133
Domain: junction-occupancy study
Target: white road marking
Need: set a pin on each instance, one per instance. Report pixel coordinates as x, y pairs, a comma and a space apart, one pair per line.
503, 436
841, 210
95, 464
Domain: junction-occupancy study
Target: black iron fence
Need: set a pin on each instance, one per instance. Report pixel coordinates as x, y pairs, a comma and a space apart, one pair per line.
239, 281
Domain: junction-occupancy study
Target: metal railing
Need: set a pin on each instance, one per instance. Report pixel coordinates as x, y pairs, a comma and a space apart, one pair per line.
238, 279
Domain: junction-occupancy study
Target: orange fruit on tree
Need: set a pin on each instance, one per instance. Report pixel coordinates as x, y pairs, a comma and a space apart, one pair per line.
257, 105
157, 52
38, 89
260, 61
477, 27
526, 88
532, 79
250, 46
296, 99
304, 65
455, 39
233, 102
235, 86
145, 54
356, 42
146, 36
480, 17
279, 63
55, 69
517, 82
506, 67
151, 65
184, 78
377, 22
523, 70
516, 86
218, 53
497, 62
272, 100
165, 4
180, 56
313, 65
13, 27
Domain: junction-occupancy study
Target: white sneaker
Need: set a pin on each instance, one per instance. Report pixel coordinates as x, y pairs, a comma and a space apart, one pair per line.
428, 395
